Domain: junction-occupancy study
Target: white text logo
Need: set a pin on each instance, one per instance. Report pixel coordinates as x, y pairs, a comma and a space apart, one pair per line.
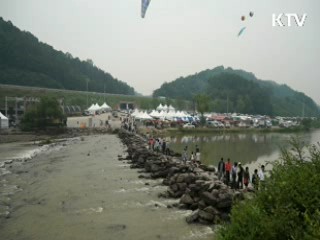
287, 19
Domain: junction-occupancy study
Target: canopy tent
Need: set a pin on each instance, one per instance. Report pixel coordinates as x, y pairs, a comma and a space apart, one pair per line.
91, 108
97, 107
171, 108
135, 113
105, 106
4, 121
154, 114
160, 107
143, 116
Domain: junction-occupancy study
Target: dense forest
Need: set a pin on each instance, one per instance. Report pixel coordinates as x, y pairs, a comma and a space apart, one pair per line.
239, 91
26, 61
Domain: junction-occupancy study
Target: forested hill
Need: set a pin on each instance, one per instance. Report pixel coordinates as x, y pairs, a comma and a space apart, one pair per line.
24, 60
239, 91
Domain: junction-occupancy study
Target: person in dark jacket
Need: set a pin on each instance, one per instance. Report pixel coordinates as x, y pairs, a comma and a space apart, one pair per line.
240, 176
221, 169
246, 177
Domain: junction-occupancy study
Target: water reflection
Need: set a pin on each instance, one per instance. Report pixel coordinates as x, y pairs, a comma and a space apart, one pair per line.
241, 147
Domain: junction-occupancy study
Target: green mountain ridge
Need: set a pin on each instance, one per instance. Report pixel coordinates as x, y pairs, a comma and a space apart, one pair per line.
26, 61
232, 90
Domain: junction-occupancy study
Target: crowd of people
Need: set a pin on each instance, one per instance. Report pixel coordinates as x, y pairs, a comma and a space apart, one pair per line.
232, 174
159, 145
194, 157
237, 177
128, 124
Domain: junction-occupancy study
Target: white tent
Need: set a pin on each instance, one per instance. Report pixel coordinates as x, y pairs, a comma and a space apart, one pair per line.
154, 114
171, 108
105, 106
91, 108
135, 113
143, 116
97, 107
160, 107
4, 121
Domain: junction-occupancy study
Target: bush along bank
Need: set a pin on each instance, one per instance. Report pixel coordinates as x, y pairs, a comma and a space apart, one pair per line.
197, 187
288, 207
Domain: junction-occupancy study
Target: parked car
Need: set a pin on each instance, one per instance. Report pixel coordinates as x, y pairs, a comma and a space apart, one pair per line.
213, 124
220, 125
115, 114
188, 125
87, 113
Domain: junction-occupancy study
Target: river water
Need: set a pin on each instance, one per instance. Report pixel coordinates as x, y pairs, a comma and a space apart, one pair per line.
80, 190
251, 149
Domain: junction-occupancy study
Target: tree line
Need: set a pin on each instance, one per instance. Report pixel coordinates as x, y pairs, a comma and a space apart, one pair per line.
28, 62
238, 91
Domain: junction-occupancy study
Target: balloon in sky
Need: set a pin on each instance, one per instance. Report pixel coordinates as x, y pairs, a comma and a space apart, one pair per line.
241, 31
251, 14
144, 7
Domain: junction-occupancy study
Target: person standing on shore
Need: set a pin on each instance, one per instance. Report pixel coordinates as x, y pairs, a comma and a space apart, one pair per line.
221, 169
198, 155
234, 172
228, 167
164, 146
192, 157
246, 177
240, 176
261, 177
185, 154
255, 179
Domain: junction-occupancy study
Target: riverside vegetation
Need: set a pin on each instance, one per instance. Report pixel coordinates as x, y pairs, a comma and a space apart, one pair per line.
289, 205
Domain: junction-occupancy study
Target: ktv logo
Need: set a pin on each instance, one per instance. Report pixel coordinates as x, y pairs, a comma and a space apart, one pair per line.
287, 20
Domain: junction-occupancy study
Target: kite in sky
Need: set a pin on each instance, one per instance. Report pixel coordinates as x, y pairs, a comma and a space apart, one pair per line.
241, 31
144, 7
243, 18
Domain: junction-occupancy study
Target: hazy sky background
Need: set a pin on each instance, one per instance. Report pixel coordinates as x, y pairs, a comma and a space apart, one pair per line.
179, 37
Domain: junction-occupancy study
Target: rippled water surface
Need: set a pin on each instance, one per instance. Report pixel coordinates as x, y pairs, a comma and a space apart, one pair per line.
249, 148
82, 191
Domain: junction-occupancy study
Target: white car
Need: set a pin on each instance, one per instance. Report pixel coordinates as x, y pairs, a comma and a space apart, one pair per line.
188, 125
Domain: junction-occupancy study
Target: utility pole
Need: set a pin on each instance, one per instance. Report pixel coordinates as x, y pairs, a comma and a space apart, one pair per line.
16, 110
6, 105
228, 104
87, 91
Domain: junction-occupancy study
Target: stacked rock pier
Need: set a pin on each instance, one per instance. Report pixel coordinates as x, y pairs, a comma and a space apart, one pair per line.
197, 187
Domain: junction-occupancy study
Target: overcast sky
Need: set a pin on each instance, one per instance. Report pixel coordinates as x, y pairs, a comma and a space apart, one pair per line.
179, 37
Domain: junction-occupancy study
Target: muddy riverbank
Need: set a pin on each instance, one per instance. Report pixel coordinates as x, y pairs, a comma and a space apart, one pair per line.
80, 190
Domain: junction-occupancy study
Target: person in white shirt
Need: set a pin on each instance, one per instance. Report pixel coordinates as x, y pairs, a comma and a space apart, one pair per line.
261, 176
261, 173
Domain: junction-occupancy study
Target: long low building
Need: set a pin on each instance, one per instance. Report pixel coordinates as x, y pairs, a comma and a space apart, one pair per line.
4, 121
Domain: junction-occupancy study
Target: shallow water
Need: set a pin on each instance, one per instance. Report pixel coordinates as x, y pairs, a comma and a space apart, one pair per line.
81, 191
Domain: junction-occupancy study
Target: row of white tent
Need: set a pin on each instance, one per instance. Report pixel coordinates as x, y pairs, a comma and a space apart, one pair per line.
95, 107
4, 121
170, 115
165, 108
